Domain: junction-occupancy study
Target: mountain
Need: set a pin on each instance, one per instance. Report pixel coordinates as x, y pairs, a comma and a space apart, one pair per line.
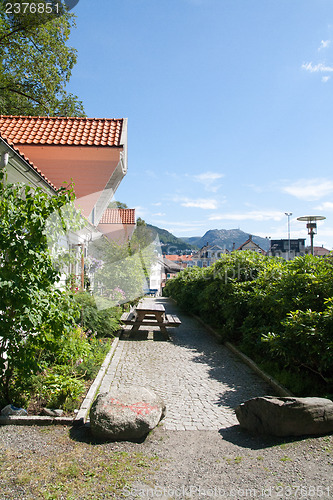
225, 238
170, 244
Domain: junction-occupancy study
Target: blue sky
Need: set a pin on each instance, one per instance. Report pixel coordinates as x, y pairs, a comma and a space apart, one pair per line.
229, 106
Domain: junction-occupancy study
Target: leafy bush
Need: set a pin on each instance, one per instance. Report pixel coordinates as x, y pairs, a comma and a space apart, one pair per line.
103, 322
276, 311
31, 305
59, 391
90, 365
305, 340
64, 368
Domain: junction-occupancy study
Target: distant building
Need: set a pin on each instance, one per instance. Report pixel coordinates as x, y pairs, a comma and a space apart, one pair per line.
170, 269
279, 248
251, 245
182, 260
319, 251
207, 255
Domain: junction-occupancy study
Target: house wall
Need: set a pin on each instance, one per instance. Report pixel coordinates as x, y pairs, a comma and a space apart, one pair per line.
119, 233
90, 168
251, 246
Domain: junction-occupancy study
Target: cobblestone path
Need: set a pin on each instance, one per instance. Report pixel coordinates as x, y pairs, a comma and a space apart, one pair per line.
198, 378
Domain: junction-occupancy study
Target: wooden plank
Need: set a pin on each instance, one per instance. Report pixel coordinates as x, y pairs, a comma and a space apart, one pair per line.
149, 306
177, 320
127, 316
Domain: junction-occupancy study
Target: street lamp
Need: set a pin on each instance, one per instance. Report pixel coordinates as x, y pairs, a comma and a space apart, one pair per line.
288, 214
311, 221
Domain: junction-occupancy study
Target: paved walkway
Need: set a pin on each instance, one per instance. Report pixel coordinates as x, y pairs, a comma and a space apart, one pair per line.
198, 378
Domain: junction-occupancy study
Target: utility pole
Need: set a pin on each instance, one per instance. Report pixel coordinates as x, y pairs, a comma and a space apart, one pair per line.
288, 214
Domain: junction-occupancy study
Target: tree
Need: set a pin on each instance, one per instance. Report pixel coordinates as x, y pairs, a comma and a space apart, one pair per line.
35, 62
117, 204
34, 311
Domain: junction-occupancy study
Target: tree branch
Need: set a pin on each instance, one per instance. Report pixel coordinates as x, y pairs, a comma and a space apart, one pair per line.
23, 94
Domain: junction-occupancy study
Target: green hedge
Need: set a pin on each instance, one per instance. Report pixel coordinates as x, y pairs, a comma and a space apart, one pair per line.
280, 313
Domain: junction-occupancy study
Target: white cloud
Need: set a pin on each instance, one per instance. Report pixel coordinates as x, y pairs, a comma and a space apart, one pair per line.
140, 211
324, 44
318, 68
208, 180
179, 228
326, 206
205, 204
309, 189
258, 215
158, 204
159, 214
325, 79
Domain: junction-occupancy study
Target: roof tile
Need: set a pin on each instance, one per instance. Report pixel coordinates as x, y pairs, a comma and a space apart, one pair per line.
65, 131
118, 216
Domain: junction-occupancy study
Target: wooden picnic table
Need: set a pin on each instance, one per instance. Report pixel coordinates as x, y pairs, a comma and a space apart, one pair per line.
150, 313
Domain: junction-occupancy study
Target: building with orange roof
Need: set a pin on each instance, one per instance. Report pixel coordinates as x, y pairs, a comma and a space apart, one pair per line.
118, 224
88, 152
182, 260
53, 152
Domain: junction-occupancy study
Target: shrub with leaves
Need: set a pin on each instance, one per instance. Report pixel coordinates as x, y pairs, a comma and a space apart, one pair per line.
32, 308
59, 391
102, 322
249, 297
305, 340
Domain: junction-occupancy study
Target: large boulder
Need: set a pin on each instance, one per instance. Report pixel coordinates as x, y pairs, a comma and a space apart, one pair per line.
286, 416
125, 414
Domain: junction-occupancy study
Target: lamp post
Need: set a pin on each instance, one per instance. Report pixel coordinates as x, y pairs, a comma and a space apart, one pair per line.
311, 225
288, 214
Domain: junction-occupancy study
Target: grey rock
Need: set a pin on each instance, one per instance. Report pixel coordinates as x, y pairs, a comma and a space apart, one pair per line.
50, 412
289, 416
126, 414
11, 410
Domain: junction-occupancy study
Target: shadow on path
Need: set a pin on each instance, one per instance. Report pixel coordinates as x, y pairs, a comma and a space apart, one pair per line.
242, 383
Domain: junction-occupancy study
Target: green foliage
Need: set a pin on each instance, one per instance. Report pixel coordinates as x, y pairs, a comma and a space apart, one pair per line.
64, 350
124, 269
65, 364
276, 311
59, 391
36, 64
102, 322
117, 204
90, 365
305, 339
32, 307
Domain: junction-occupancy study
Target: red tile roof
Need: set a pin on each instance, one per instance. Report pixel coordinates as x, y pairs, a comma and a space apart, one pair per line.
178, 257
64, 131
118, 216
320, 251
30, 163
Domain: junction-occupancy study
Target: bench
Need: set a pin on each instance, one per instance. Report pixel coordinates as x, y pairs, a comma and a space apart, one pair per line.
150, 315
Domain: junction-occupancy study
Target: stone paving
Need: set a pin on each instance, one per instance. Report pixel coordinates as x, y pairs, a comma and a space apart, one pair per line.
200, 380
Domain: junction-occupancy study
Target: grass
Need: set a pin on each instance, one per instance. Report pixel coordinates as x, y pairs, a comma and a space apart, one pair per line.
83, 470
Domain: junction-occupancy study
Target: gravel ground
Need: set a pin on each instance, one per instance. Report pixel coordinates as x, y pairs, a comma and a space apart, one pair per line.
168, 464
